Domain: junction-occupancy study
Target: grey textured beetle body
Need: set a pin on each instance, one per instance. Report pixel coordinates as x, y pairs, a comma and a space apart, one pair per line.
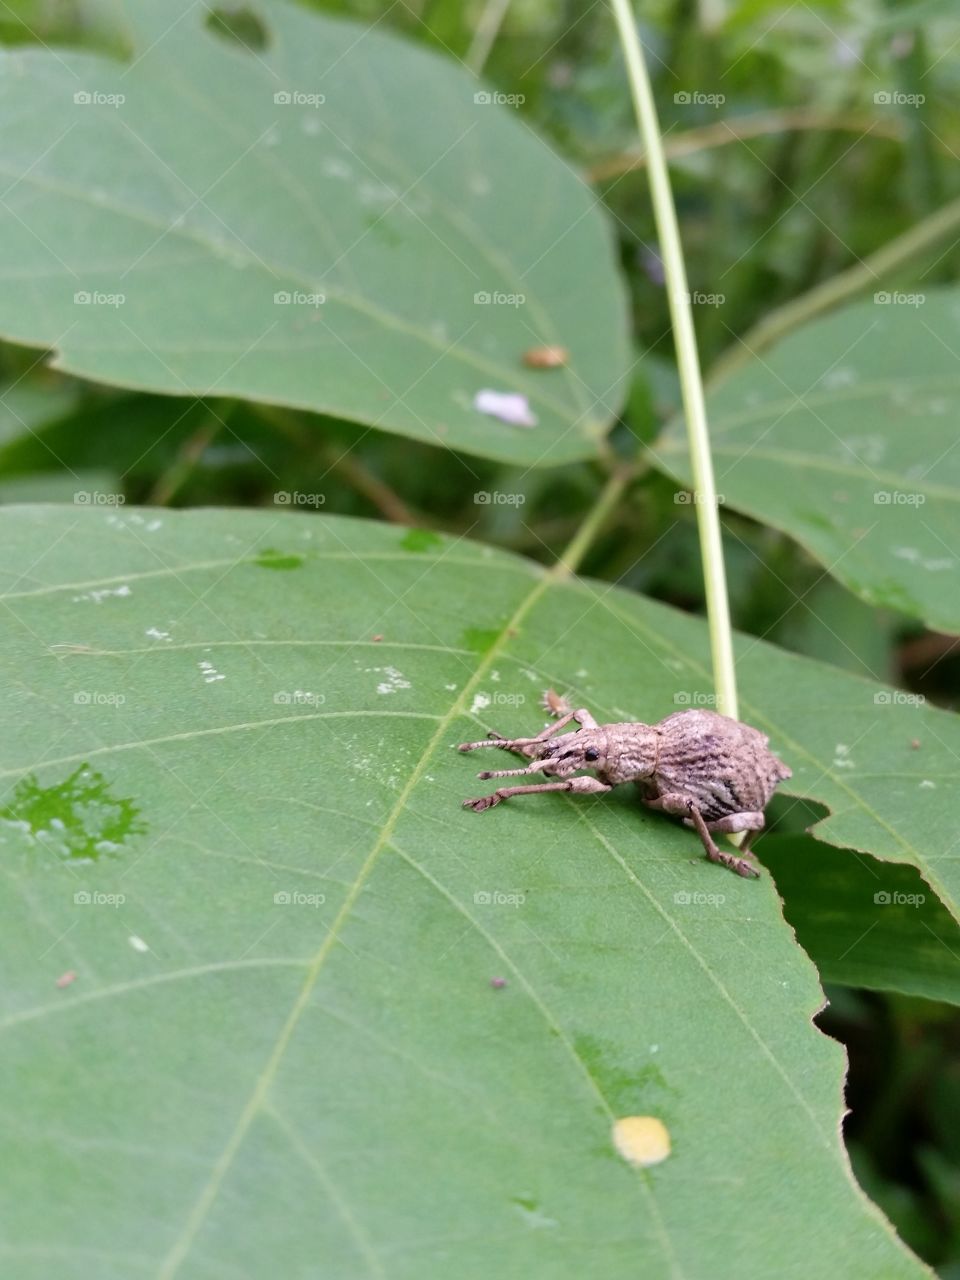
716, 773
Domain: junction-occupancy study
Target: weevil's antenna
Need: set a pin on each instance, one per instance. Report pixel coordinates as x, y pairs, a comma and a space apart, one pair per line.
511, 744
536, 767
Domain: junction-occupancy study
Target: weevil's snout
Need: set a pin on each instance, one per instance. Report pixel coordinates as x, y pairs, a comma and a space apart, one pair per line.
563, 756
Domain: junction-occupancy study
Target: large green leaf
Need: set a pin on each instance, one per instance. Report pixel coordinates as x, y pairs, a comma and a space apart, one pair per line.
866, 924
283, 1051
844, 436
182, 200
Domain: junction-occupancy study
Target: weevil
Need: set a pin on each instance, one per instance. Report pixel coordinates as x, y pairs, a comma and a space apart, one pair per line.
715, 773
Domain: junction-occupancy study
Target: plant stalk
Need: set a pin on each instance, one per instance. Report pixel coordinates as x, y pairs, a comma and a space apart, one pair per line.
671, 250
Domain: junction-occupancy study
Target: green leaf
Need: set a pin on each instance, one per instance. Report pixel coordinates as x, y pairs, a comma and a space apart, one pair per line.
314, 224
231, 809
843, 437
864, 923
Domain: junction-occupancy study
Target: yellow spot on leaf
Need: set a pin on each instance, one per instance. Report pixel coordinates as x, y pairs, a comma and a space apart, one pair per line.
641, 1140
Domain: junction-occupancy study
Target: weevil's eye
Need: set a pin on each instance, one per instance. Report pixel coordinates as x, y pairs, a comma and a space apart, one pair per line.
591, 755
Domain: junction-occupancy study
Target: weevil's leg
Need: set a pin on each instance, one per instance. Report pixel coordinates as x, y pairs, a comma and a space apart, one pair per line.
582, 717
740, 865
684, 807
578, 786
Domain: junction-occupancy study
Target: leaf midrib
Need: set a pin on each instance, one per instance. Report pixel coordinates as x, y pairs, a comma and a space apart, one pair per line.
208, 1195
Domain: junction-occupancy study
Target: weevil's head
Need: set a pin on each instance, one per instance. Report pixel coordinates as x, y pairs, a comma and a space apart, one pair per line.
569, 752
615, 752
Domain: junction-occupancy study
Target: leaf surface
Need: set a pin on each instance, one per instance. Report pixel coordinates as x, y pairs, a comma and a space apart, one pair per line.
842, 437
312, 1009
333, 222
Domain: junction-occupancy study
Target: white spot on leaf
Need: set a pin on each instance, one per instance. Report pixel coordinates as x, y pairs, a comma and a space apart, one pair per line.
509, 406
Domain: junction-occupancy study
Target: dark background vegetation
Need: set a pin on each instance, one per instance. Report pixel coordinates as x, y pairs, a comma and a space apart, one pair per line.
797, 174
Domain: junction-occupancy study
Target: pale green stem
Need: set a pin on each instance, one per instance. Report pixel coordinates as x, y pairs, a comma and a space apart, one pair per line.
839, 288
671, 251
485, 33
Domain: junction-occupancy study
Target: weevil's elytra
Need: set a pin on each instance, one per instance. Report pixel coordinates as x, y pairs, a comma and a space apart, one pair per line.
715, 773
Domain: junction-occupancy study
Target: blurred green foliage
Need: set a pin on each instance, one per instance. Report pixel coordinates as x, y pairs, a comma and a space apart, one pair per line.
830, 172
